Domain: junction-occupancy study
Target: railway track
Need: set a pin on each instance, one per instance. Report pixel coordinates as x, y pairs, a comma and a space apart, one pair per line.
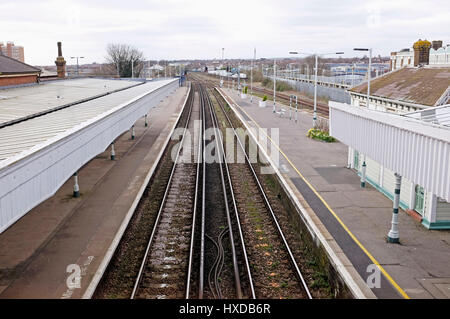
264, 208
322, 109
214, 233
222, 264
162, 272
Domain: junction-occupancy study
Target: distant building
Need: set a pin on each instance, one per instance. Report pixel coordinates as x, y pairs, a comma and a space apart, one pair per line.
423, 52
14, 72
12, 51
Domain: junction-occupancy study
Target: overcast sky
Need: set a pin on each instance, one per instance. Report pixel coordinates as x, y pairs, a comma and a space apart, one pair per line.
173, 29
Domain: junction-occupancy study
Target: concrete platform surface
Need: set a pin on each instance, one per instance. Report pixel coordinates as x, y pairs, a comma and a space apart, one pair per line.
41, 252
358, 219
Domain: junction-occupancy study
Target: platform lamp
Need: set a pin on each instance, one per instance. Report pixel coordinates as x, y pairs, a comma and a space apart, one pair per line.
369, 71
77, 57
316, 56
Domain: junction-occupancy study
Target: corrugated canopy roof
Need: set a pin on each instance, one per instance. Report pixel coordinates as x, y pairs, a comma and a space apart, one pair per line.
11, 66
423, 85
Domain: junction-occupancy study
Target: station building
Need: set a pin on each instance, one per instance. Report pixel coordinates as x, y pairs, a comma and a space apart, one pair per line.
405, 92
433, 53
14, 72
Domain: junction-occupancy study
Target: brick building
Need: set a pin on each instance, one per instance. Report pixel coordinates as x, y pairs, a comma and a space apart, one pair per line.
13, 51
14, 72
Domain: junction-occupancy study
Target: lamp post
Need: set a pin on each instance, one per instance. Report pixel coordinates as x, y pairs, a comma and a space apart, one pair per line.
251, 76
77, 57
274, 83
316, 56
221, 78
369, 71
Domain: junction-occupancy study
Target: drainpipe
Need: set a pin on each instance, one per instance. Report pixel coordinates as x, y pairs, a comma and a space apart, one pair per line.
393, 236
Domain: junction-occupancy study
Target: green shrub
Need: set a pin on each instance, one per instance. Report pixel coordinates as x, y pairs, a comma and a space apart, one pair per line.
245, 90
320, 135
265, 98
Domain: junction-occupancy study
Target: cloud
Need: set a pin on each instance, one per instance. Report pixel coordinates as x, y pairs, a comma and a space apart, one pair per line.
177, 29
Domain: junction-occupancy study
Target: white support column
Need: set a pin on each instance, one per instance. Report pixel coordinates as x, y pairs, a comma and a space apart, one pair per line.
113, 152
350, 158
393, 235
412, 196
296, 109
132, 132
76, 187
381, 176
432, 207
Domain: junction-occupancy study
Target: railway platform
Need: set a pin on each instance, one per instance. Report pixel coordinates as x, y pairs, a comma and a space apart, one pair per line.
357, 219
64, 236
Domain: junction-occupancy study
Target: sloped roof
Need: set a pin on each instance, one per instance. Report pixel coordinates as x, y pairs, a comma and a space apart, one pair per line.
11, 66
423, 85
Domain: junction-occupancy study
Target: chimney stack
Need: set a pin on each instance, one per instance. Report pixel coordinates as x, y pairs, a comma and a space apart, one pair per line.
60, 63
421, 52
436, 44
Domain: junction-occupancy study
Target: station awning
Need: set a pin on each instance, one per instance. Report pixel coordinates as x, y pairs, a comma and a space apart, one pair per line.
416, 145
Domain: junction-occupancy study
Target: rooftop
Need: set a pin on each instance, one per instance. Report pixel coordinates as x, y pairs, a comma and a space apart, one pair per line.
21, 139
12, 66
423, 85
19, 103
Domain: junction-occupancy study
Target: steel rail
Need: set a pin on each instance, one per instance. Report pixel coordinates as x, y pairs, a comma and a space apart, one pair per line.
267, 203
238, 222
203, 214
194, 215
227, 209
155, 226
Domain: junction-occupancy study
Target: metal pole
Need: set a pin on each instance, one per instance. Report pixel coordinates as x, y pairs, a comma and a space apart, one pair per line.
363, 169
132, 68
290, 107
146, 123
113, 152
393, 235
251, 76
353, 74
363, 172
296, 109
368, 76
274, 83
76, 187
132, 132
315, 93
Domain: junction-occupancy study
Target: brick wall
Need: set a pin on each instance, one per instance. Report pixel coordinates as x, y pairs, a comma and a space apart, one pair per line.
17, 80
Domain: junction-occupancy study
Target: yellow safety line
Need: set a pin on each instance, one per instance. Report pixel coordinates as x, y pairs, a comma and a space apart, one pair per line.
388, 277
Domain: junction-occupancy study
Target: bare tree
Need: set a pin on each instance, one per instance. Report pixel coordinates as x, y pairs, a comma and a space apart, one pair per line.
122, 56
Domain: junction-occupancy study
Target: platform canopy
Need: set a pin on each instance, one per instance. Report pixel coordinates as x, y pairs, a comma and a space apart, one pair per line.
414, 145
